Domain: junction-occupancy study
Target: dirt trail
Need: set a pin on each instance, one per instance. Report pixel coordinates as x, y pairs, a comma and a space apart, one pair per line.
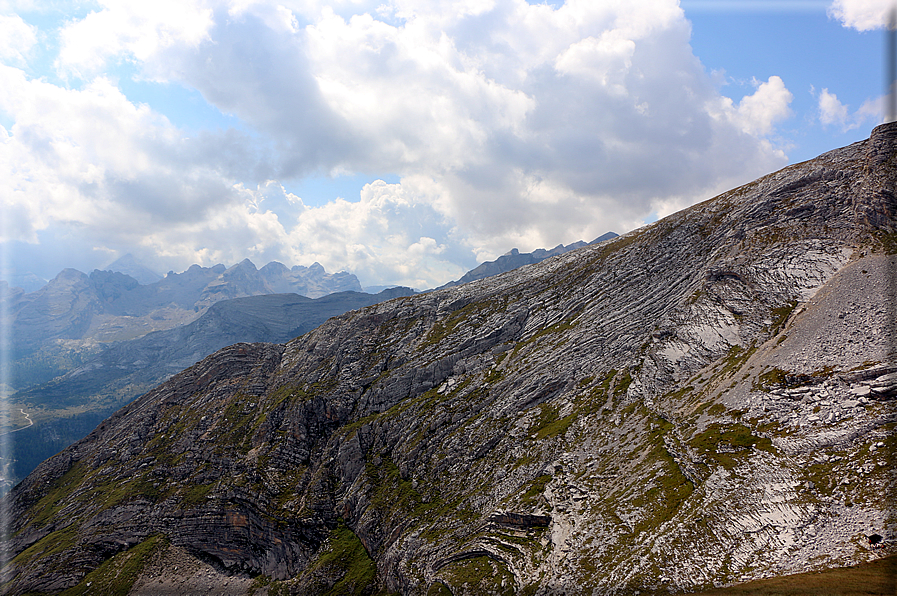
30, 424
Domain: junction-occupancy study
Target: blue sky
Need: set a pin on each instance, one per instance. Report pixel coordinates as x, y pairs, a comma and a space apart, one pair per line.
403, 141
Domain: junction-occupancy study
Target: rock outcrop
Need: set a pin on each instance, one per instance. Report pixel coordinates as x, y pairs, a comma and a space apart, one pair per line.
703, 401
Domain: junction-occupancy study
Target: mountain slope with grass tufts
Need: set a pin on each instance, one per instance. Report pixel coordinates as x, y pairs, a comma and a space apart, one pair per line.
705, 401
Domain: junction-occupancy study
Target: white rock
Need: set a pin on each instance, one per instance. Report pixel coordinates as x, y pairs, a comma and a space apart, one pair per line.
861, 390
889, 379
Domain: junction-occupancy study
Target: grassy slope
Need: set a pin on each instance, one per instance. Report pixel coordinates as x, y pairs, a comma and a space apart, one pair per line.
878, 578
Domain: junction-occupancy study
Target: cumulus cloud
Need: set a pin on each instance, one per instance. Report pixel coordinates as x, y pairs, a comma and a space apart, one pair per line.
834, 113
16, 39
758, 113
92, 158
508, 124
831, 111
863, 15
134, 30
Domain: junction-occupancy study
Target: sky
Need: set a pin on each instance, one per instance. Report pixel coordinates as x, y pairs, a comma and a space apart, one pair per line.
403, 141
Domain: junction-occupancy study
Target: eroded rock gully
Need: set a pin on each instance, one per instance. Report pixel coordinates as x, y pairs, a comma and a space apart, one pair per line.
705, 400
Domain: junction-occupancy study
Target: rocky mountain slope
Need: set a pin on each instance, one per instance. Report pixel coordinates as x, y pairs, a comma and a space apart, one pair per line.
68, 407
514, 259
703, 401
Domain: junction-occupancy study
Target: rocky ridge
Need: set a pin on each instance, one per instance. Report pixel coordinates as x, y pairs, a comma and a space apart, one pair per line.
703, 401
108, 306
514, 259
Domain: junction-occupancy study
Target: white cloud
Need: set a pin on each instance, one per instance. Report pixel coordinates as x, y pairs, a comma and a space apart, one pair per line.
394, 231
136, 30
863, 15
831, 111
757, 114
91, 158
872, 109
16, 39
509, 124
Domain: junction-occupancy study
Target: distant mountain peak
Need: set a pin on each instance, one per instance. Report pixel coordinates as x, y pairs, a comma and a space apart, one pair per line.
514, 258
130, 265
604, 236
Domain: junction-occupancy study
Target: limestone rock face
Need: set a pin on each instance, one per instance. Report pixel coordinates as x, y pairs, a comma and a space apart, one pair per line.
699, 402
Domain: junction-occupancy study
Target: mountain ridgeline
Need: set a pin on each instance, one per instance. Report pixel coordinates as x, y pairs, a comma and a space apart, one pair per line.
75, 315
124, 370
514, 259
703, 401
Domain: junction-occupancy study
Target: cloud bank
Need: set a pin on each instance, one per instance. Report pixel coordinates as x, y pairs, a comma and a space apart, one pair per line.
863, 15
507, 124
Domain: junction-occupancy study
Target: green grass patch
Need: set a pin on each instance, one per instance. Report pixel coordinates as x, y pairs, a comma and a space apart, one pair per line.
623, 384
196, 495
583, 382
346, 558
445, 327
678, 394
536, 489
60, 489
780, 315
887, 240
607, 379
391, 492
495, 374
771, 379
51, 544
116, 576
726, 444
438, 589
272, 587
548, 423
716, 409
479, 575
349, 429
734, 360
669, 488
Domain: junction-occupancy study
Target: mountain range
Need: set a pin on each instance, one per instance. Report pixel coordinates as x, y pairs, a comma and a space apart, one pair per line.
704, 401
87, 366
68, 337
75, 314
